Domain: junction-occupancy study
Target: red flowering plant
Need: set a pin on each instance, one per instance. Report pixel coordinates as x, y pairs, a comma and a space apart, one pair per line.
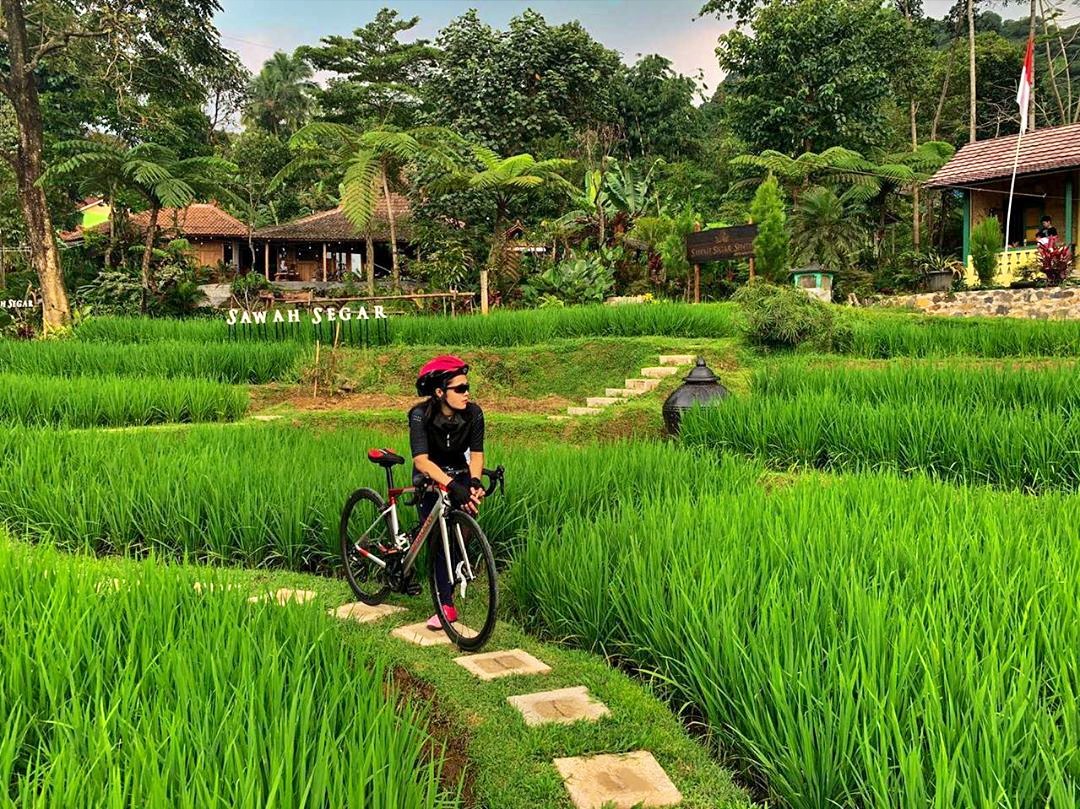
1055, 261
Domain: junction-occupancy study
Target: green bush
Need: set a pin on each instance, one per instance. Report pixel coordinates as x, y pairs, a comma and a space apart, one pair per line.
580, 280
985, 246
785, 317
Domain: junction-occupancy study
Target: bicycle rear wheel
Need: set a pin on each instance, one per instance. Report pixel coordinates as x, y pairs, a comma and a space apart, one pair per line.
475, 589
365, 527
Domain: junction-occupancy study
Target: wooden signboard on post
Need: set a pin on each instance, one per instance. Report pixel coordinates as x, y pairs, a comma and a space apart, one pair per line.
718, 244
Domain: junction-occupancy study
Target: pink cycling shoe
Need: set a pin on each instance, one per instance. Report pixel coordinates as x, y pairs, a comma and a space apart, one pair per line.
451, 615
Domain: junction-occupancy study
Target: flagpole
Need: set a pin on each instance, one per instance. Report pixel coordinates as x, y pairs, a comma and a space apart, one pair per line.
1023, 99
1012, 187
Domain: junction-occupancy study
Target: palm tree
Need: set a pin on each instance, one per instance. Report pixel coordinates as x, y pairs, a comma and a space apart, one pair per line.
824, 230
505, 177
371, 161
281, 97
152, 172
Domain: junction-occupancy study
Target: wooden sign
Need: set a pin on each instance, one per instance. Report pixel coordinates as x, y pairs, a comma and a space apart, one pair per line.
720, 243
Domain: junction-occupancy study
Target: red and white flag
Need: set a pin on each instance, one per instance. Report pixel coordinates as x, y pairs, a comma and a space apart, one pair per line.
1027, 85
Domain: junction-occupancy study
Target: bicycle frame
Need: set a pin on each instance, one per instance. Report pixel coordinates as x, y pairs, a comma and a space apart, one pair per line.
438, 514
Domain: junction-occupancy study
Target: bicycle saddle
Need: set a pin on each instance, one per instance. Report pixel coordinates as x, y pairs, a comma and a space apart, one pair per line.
385, 458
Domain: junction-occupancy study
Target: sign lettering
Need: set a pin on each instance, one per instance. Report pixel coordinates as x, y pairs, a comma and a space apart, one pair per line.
718, 244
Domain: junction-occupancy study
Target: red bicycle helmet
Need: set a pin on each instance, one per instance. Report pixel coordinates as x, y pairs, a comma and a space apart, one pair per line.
437, 372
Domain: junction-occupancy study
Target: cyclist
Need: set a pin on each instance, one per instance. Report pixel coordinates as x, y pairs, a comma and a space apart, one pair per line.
446, 436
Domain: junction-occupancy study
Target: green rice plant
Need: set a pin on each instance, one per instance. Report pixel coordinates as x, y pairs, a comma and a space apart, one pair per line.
235, 363
92, 402
500, 328
154, 695
868, 641
272, 495
1027, 449
924, 384
884, 334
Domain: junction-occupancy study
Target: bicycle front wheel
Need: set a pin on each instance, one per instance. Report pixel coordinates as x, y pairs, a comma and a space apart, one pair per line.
470, 584
366, 530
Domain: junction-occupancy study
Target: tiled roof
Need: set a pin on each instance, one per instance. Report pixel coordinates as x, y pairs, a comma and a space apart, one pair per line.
201, 219
1042, 150
333, 225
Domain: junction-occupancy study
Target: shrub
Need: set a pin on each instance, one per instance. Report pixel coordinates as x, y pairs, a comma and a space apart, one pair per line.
577, 280
771, 244
1055, 262
785, 317
985, 246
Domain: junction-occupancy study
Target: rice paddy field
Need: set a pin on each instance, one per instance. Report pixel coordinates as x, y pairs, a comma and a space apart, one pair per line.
147, 693
858, 575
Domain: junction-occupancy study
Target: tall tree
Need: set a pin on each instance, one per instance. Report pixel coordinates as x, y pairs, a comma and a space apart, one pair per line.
377, 78
657, 112
814, 74
281, 98
115, 40
151, 171
972, 117
522, 89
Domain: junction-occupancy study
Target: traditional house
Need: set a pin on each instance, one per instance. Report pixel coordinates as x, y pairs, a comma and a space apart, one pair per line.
326, 246
215, 235
1047, 167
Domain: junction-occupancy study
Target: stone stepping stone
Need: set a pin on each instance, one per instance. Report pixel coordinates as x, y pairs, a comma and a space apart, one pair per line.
284, 596
624, 393
676, 359
364, 613
623, 781
582, 411
561, 707
422, 636
492, 665
601, 401
643, 385
659, 372
266, 418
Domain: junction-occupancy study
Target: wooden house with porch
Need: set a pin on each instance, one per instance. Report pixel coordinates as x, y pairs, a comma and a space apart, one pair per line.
215, 235
1047, 170
326, 246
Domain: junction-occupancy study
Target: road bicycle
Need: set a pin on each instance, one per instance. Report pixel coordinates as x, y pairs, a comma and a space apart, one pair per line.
379, 555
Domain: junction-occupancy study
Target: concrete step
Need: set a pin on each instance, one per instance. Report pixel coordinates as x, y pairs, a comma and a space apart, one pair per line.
642, 385
659, 372
583, 411
624, 393
558, 418
676, 359
601, 401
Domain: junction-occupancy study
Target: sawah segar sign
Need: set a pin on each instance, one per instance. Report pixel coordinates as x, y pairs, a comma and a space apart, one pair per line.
342, 324
718, 244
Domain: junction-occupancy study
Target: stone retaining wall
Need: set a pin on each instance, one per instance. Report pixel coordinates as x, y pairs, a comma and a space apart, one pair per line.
1042, 304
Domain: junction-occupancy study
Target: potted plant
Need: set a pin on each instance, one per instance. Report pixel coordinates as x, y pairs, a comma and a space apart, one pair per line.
938, 272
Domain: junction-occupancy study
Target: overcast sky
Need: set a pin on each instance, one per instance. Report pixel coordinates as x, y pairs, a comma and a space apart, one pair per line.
256, 28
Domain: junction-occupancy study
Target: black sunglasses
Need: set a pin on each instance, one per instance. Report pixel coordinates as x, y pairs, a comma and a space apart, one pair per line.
462, 388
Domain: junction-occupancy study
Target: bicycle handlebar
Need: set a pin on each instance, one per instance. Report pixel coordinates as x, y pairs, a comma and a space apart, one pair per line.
497, 476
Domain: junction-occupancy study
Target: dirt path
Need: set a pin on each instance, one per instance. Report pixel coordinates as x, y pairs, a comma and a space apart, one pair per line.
266, 396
